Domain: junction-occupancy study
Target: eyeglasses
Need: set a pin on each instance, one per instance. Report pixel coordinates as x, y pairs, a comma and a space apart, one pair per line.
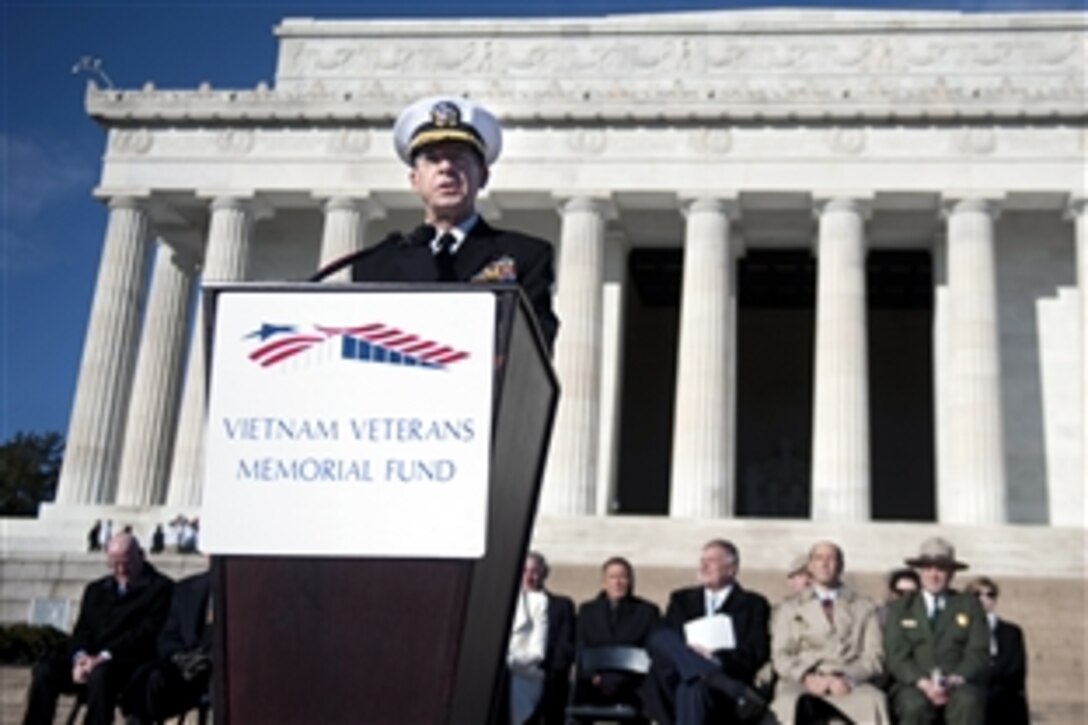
986, 593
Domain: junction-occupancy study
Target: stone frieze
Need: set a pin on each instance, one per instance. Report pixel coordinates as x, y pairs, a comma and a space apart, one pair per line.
1021, 66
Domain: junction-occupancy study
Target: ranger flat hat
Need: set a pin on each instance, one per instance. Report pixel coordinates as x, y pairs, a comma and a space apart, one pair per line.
446, 118
938, 552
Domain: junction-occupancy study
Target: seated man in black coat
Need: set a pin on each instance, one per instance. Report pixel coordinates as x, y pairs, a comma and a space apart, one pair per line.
695, 683
119, 617
615, 617
182, 673
1006, 689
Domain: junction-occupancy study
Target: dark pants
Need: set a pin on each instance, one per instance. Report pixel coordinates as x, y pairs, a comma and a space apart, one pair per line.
53, 676
679, 674
966, 706
158, 691
612, 688
553, 700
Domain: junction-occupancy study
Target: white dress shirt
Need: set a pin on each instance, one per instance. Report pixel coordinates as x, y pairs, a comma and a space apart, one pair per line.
459, 232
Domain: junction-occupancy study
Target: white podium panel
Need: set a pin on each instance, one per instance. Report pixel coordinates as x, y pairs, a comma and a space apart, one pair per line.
349, 423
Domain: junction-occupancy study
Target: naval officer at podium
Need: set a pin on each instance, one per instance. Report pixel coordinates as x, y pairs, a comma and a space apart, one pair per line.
449, 145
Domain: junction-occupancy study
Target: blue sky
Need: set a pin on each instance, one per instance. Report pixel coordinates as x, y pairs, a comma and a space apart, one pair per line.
51, 229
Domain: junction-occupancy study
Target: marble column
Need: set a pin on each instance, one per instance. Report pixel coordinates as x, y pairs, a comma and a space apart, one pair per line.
942, 365
702, 481
571, 476
96, 428
225, 255
840, 428
344, 232
613, 291
153, 410
977, 452
1069, 506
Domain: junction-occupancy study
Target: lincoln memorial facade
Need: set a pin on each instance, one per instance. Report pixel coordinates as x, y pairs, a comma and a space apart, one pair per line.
814, 265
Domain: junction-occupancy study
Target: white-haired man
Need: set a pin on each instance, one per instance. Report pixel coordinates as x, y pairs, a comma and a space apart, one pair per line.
119, 619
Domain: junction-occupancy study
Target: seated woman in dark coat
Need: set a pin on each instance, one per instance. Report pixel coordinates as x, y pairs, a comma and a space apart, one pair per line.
614, 617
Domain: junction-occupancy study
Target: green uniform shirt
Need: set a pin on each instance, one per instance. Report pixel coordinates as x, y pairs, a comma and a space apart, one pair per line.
957, 642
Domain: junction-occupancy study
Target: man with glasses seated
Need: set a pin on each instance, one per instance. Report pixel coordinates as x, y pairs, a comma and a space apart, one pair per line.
1006, 692
901, 582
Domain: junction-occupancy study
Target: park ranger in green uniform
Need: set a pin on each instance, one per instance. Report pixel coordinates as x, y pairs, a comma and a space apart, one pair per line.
936, 645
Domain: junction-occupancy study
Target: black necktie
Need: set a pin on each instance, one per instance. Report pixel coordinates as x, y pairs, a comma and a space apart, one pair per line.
444, 258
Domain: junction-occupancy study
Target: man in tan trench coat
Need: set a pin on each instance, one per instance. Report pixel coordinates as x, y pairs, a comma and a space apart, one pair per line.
826, 642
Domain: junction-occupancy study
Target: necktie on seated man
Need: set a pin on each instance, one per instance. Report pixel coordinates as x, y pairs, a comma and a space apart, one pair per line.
938, 605
444, 258
828, 606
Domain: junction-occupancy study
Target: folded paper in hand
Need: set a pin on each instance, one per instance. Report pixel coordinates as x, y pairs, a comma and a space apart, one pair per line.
714, 632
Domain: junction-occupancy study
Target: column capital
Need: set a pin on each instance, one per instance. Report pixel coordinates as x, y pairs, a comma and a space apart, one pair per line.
255, 205
365, 203
727, 204
128, 201
598, 202
859, 203
121, 195
962, 202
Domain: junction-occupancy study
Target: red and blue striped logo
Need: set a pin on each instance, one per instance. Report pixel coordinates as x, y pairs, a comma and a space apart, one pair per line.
375, 342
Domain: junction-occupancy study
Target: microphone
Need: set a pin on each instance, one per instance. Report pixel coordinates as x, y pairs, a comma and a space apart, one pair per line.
423, 234
349, 259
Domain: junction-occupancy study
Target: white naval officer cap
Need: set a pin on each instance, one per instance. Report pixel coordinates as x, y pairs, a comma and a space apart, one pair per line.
445, 118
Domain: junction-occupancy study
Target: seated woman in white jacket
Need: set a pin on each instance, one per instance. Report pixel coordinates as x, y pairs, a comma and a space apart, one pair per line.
528, 637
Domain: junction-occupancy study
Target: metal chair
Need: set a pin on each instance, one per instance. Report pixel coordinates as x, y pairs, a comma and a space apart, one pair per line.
203, 708
613, 658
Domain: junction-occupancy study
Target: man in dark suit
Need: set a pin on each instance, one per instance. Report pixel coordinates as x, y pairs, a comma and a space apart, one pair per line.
615, 617
696, 682
450, 144
119, 617
180, 676
936, 645
1006, 691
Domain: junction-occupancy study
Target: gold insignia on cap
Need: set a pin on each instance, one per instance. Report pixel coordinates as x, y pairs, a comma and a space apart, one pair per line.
445, 114
908, 623
440, 119
963, 620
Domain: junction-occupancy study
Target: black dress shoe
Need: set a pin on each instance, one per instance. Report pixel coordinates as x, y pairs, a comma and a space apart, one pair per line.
746, 701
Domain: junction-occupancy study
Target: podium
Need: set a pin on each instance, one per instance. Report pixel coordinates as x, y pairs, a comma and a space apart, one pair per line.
362, 638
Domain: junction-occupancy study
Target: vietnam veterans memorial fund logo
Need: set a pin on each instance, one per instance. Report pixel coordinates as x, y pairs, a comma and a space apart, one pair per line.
374, 342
